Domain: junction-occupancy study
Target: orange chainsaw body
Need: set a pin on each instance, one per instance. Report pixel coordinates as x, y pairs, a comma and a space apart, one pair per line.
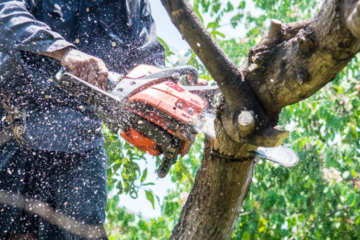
165, 104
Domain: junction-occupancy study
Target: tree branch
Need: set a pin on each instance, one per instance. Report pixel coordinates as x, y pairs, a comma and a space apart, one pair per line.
224, 72
307, 217
305, 56
289, 64
237, 93
337, 210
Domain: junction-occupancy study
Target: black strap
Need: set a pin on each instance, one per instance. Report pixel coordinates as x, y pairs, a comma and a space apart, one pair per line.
6, 136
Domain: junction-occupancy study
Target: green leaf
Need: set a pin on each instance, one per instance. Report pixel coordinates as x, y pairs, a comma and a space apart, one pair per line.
120, 187
148, 184
214, 33
346, 148
116, 199
168, 53
262, 224
199, 14
346, 174
230, 7
216, 7
133, 194
150, 197
242, 5
212, 25
144, 175
236, 19
246, 236
157, 197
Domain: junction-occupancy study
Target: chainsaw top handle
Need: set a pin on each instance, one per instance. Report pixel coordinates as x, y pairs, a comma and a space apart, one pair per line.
175, 73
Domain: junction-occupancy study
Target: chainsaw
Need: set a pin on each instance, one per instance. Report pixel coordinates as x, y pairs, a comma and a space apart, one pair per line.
156, 113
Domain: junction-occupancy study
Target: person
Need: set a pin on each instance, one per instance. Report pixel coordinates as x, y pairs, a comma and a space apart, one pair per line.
51, 147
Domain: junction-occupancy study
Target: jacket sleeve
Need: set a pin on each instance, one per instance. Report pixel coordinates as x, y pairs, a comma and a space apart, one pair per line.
21, 31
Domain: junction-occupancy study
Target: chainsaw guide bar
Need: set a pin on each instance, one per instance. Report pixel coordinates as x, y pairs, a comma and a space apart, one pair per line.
155, 113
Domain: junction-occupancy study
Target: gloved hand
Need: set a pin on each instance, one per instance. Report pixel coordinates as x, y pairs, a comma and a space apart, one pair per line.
84, 66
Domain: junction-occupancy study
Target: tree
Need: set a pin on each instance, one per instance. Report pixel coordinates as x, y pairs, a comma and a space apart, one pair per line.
289, 64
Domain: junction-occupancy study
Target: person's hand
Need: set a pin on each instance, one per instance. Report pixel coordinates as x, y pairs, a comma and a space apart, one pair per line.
86, 67
82, 65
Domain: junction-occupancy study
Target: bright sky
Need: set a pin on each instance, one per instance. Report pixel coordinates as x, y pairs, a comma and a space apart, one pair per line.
168, 32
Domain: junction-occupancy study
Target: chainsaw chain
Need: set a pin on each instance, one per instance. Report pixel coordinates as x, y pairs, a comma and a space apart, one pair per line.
169, 156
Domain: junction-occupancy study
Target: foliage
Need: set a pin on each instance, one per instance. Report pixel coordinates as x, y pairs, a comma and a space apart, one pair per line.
318, 199
123, 225
168, 52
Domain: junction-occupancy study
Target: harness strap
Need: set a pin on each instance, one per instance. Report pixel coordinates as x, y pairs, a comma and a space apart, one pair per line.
13, 123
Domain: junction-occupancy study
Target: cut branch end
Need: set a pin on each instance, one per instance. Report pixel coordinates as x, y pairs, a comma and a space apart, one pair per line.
246, 123
275, 28
274, 32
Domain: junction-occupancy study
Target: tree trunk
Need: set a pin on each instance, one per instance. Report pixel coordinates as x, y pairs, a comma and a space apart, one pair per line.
215, 201
290, 63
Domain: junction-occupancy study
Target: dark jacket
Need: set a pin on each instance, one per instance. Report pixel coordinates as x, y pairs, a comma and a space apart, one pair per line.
120, 32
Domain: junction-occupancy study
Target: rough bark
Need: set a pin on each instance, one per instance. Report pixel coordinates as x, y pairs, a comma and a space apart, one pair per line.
225, 182
305, 57
238, 94
289, 64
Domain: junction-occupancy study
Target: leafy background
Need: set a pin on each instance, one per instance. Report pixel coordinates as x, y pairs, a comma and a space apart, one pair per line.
317, 199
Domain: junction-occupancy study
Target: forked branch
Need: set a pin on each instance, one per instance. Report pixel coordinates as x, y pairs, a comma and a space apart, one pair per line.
292, 62
238, 94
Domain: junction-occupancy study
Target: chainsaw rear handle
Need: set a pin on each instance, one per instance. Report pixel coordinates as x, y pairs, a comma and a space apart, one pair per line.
110, 83
172, 73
